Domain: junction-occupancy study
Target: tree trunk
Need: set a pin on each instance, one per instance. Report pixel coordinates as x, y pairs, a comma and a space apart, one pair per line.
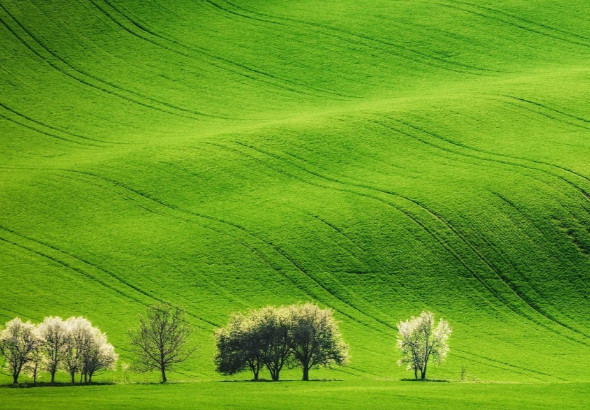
305, 372
163, 370
275, 375
424, 369
423, 374
15, 378
52, 376
415, 373
255, 370
73, 375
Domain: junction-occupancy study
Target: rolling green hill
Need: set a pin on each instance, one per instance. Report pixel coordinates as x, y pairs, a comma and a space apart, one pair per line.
378, 157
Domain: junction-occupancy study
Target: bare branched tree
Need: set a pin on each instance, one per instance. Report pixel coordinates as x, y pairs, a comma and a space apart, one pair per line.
161, 340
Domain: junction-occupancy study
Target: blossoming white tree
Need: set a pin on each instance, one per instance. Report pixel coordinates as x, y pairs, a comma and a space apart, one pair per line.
87, 350
420, 342
98, 355
73, 345
53, 339
78, 329
33, 367
18, 342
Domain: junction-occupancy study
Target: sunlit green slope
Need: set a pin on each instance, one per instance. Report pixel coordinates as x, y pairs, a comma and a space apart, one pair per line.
377, 157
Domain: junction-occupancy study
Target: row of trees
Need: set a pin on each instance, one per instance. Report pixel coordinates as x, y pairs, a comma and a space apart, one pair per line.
273, 337
297, 335
73, 345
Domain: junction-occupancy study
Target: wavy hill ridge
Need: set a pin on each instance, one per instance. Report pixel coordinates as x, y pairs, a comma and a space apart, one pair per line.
377, 157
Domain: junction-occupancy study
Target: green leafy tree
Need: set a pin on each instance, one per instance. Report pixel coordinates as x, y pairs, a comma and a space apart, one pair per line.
314, 338
274, 338
238, 347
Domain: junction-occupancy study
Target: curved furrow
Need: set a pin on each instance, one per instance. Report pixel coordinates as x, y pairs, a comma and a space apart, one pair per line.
14, 313
441, 241
69, 70
530, 283
521, 295
504, 158
86, 140
226, 64
484, 158
230, 298
290, 175
339, 231
499, 365
183, 218
445, 245
527, 300
429, 29
159, 213
111, 274
553, 117
582, 191
501, 255
584, 121
411, 55
347, 249
327, 92
60, 260
520, 212
281, 171
526, 369
271, 246
518, 25
387, 126
150, 67
69, 267
48, 134
523, 20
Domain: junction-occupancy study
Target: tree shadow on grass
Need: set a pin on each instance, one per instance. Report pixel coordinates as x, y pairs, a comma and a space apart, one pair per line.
281, 381
47, 384
426, 380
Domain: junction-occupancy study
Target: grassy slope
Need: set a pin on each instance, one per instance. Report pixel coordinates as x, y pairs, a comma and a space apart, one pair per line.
377, 157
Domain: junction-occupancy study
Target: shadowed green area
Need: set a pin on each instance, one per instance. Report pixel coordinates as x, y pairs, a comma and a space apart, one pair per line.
378, 158
305, 395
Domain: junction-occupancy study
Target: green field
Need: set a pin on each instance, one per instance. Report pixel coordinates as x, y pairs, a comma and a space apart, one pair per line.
303, 395
376, 157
